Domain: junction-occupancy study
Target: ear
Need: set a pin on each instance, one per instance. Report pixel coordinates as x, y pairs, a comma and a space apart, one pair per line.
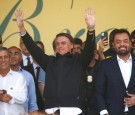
130, 43
71, 46
113, 44
21, 58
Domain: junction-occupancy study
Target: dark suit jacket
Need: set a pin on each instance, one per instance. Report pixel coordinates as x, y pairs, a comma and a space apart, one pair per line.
111, 89
40, 101
64, 85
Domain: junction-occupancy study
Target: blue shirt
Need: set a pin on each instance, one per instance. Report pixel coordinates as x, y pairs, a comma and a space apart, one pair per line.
31, 102
41, 78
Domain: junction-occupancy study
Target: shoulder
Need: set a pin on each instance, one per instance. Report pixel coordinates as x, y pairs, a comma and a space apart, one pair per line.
27, 75
16, 75
108, 61
25, 72
28, 67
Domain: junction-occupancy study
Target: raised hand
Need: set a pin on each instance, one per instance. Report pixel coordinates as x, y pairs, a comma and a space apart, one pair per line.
90, 18
103, 44
20, 21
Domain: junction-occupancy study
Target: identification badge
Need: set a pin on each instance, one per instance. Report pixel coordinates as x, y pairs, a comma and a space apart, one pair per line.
89, 79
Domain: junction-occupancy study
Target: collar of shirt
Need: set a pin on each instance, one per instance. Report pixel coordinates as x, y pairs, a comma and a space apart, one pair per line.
68, 54
9, 73
129, 59
24, 57
34, 67
20, 69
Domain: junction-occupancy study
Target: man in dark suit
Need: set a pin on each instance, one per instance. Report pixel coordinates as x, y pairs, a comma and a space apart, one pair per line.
116, 79
26, 57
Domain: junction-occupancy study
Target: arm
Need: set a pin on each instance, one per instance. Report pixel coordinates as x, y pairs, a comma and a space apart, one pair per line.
37, 53
88, 51
41, 88
32, 103
41, 81
100, 88
102, 45
19, 95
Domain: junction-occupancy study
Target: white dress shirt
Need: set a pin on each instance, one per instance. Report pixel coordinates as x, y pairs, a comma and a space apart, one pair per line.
126, 68
25, 60
15, 85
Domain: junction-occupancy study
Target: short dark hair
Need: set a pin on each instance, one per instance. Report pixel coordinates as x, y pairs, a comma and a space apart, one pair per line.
78, 41
133, 34
3, 49
66, 35
16, 48
133, 43
120, 31
111, 37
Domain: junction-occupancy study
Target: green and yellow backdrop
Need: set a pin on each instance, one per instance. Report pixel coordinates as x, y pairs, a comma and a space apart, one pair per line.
45, 18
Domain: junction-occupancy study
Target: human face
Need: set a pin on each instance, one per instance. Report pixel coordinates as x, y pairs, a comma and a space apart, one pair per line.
63, 45
76, 49
4, 60
122, 44
24, 49
15, 56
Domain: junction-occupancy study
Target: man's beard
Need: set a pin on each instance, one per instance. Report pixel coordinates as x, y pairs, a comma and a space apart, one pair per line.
122, 52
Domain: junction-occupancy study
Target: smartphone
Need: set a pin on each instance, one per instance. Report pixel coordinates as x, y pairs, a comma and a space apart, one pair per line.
104, 35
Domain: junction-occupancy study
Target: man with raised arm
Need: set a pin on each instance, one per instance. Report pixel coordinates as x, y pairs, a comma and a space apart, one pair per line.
64, 72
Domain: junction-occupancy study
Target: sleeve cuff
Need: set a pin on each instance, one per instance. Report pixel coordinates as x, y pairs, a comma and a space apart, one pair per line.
23, 34
103, 112
12, 100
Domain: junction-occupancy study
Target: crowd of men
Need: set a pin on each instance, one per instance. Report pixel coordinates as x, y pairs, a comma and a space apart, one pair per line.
79, 79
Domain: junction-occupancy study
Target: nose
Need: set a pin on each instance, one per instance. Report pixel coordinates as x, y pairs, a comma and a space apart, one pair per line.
3, 59
122, 43
11, 55
59, 45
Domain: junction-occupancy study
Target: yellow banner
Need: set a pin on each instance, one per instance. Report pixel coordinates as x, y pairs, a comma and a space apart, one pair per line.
45, 18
